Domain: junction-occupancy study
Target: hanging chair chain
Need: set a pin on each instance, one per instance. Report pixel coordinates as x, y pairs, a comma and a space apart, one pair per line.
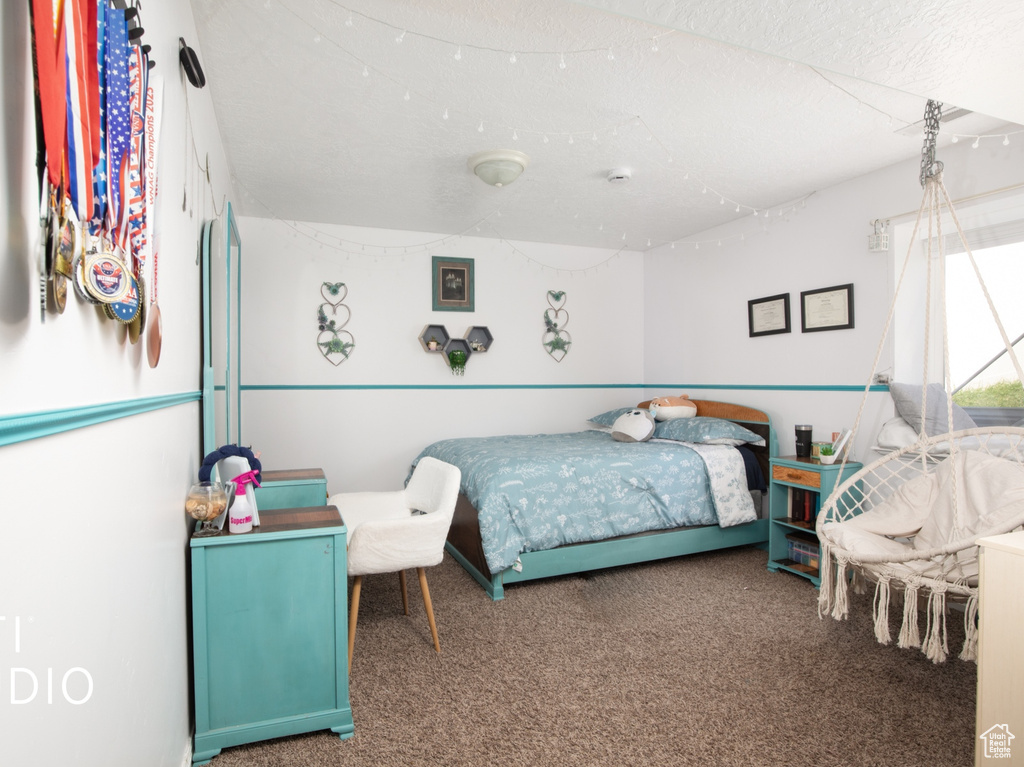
929, 165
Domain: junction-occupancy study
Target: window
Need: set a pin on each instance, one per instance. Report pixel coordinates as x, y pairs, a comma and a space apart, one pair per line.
982, 373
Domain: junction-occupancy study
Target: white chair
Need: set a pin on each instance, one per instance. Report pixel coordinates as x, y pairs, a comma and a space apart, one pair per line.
394, 531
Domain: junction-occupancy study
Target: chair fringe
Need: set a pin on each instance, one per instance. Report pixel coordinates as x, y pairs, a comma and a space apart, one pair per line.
841, 602
827, 586
970, 650
858, 583
881, 610
934, 646
909, 635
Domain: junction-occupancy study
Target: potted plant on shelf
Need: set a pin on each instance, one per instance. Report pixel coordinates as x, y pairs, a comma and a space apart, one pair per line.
457, 360
432, 344
826, 455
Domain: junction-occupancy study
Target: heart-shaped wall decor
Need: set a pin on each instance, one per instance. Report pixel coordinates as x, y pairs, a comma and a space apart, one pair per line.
333, 341
556, 339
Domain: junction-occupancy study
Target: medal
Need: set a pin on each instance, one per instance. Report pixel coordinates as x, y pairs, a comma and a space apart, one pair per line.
138, 324
60, 292
78, 272
125, 309
106, 277
64, 240
154, 335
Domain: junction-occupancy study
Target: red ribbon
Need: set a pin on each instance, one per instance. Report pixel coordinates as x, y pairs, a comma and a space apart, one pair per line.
50, 55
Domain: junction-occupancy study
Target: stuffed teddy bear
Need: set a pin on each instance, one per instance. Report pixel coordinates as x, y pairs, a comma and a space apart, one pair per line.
667, 408
634, 426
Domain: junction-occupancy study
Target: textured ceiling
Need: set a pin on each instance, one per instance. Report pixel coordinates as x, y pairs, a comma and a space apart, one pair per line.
365, 113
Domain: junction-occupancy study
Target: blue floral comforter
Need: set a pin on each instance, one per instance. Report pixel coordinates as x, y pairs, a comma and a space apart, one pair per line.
540, 491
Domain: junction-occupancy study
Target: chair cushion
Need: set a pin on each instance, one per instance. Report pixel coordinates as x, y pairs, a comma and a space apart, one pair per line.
357, 508
990, 493
390, 545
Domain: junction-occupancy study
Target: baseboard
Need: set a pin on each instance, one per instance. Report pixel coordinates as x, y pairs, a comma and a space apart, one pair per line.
187, 759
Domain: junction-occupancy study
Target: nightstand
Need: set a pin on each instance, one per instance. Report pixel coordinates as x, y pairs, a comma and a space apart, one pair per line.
797, 488
270, 630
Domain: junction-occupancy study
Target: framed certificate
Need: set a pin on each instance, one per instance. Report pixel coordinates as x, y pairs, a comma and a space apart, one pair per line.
768, 316
826, 309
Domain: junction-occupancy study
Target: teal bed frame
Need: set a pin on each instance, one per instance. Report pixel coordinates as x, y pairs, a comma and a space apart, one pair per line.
465, 547
581, 557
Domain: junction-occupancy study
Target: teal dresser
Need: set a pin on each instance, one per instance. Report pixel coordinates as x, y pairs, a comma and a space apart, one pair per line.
291, 488
270, 630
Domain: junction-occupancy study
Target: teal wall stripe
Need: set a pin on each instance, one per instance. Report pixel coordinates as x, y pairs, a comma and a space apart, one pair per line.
428, 387
27, 426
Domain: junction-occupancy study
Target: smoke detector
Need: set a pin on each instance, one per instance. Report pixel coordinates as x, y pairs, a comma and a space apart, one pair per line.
619, 175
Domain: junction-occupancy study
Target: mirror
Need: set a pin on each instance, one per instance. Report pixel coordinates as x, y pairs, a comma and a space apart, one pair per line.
221, 303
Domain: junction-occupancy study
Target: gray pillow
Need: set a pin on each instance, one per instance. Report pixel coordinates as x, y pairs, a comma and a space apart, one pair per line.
907, 398
608, 418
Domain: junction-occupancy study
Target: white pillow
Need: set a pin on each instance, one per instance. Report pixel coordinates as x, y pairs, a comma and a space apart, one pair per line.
896, 433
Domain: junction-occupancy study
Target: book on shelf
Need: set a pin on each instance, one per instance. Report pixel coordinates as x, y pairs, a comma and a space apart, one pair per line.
803, 505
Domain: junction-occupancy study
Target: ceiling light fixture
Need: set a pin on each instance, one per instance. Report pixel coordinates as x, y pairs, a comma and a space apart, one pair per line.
498, 167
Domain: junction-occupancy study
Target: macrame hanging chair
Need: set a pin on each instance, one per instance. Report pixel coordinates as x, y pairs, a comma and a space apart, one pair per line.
909, 522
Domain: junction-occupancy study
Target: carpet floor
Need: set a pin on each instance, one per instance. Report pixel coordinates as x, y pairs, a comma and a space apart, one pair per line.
702, 660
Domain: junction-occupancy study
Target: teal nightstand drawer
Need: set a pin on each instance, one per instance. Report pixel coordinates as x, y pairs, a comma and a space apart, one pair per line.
291, 489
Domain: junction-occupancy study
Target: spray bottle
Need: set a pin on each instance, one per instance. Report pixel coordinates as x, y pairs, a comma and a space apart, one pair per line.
240, 512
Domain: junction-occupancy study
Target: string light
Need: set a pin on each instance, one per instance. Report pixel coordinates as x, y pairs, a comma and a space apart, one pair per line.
512, 58
480, 127
345, 246
545, 136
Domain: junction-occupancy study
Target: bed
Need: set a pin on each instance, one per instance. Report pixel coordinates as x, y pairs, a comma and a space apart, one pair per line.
544, 505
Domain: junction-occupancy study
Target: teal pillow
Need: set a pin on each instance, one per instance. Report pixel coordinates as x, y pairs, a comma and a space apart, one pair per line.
608, 418
706, 431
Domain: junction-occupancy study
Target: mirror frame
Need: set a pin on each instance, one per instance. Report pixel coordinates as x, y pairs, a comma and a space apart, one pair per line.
233, 249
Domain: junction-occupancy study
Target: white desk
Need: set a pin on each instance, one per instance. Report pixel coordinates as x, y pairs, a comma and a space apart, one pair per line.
1001, 650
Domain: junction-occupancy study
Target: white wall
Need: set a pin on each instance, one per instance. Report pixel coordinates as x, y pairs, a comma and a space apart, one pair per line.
93, 555
698, 297
365, 437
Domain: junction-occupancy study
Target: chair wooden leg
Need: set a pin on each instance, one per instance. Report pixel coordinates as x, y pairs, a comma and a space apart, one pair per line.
428, 606
353, 615
405, 594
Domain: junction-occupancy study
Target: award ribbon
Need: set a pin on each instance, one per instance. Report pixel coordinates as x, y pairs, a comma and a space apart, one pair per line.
79, 124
